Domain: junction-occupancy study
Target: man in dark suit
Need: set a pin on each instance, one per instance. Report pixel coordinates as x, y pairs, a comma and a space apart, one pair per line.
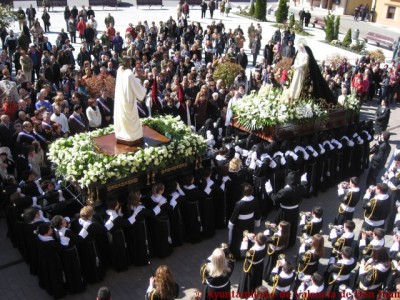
378, 160
241, 58
382, 116
78, 122
268, 52
6, 131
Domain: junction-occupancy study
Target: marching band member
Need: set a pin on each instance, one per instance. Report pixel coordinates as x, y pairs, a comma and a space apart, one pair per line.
341, 236
392, 179
367, 244
339, 272
251, 276
376, 205
349, 195
282, 278
215, 275
309, 255
312, 286
277, 243
311, 222
373, 273
395, 266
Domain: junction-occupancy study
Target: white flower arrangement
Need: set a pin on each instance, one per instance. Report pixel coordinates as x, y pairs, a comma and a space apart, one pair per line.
75, 158
352, 102
266, 108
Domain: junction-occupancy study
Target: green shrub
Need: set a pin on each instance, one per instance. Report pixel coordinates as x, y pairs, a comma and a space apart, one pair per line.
336, 29
329, 28
252, 9
347, 38
227, 71
260, 11
291, 21
282, 12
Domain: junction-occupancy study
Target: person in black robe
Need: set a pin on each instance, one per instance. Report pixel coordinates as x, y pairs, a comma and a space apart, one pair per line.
251, 275
69, 256
209, 203
244, 216
50, 267
115, 225
175, 199
159, 223
234, 190
137, 235
215, 275
288, 200
191, 210
94, 248
33, 219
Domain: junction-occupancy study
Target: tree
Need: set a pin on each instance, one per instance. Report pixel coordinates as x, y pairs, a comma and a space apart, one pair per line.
336, 29
347, 38
329, 28
260, 11
291, 21
252, 9
7, 16
282, 12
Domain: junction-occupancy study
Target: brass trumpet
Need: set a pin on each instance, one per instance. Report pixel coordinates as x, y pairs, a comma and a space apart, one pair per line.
245, 233
333, 226
281, 256
305, 213
271, 226
343, 185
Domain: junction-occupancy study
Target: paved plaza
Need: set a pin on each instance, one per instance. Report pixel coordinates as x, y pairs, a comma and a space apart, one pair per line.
17, 283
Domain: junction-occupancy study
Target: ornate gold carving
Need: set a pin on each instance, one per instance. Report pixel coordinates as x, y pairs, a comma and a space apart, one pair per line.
124, 183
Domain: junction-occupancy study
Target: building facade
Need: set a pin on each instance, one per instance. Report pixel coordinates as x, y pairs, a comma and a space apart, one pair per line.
388, 12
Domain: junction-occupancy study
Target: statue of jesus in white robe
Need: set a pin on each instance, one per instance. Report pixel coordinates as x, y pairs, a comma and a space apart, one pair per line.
127, 125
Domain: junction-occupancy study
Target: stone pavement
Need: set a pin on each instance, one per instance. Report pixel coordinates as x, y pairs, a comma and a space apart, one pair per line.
17, 283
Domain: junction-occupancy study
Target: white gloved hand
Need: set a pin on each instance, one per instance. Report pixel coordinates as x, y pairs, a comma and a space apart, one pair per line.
257, 223
268, 187
304, 177
230, 225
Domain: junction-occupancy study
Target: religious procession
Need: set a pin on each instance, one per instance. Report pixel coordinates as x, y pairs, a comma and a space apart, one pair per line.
138, 140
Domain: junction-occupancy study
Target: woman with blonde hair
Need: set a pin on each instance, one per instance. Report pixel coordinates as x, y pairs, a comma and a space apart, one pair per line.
215, 275
162, 286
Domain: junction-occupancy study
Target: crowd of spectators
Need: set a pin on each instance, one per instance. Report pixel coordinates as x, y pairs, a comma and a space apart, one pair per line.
45, 96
